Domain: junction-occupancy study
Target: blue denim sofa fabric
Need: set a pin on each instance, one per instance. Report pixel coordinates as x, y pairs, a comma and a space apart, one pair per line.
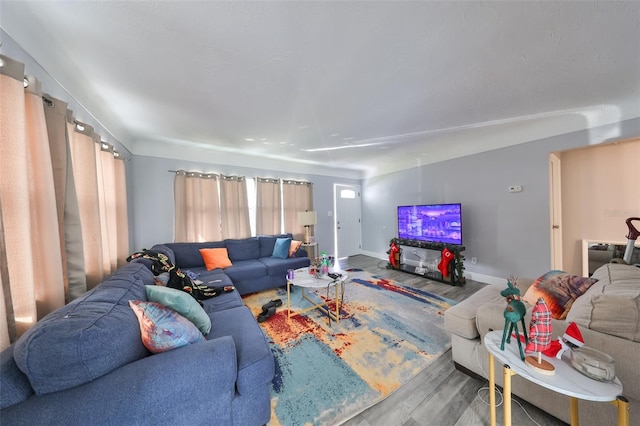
80, 365
253, 267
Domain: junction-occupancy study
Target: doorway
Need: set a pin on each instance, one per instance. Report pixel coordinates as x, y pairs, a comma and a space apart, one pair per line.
347, 226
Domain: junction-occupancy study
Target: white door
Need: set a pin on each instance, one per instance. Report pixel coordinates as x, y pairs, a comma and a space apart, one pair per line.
348, 235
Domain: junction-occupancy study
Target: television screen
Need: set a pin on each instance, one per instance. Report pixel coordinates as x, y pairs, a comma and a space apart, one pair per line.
441, 223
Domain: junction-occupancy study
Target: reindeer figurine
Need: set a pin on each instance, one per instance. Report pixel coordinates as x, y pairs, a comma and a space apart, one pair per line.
514, 312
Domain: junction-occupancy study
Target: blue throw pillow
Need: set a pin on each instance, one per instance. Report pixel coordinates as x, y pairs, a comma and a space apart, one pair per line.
281, 248
181, 302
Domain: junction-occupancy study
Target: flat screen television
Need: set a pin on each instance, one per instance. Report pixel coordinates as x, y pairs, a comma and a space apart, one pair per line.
440, 223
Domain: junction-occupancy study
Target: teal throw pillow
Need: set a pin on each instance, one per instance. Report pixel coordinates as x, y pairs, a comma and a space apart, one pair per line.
181, 302
163, 329
281, 248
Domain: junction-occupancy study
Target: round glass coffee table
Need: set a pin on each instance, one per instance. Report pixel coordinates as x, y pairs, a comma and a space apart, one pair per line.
567, 381
304, 280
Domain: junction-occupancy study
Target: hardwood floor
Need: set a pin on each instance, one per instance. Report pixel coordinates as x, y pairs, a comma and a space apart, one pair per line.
440, 395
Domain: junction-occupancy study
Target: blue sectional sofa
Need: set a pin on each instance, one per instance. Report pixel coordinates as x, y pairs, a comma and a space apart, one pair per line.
253, 269
85, 363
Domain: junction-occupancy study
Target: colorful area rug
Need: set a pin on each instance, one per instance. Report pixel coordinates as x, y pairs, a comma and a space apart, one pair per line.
327, 372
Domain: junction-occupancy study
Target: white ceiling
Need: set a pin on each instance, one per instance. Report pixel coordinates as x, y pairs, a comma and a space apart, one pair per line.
371, 86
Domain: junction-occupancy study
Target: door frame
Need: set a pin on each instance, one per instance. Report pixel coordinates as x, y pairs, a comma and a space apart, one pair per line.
336, 195
555, 211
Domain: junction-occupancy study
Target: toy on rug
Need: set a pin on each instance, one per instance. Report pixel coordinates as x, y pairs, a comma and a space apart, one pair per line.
572, 338
540, 338
513, 313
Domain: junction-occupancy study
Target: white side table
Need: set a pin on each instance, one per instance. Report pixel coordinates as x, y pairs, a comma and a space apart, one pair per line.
303, 279
567, 381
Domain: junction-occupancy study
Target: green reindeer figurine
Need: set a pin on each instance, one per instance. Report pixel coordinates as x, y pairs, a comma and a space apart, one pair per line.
514, 312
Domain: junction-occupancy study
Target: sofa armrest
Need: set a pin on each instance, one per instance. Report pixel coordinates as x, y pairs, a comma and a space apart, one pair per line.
301, 253
194, 384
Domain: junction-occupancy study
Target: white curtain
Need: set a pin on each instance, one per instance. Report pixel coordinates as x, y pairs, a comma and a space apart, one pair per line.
32, 278
196, 207
50, 205
296, 197
268, 207
234, 214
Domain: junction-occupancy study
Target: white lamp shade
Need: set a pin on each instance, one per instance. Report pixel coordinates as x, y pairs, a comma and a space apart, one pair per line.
307, 218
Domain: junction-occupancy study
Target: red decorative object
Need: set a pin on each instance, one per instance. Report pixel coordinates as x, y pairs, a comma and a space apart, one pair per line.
571, 338
540, 338
394, 251
443, 266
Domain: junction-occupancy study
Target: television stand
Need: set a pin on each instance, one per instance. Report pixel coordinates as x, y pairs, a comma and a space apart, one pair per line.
422, 258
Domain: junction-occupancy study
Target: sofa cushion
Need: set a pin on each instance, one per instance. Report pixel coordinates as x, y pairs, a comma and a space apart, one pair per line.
215, 258
87, 338
559, 290
187, 255
461, 318
224, 301
163, 329
612, 305
268, 241
278, 267
181, 302
14, 385
281, 248
246, 269
244, 249
256, 364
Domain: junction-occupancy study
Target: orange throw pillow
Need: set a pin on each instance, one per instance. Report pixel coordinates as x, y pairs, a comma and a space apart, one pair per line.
215, 258
293, 248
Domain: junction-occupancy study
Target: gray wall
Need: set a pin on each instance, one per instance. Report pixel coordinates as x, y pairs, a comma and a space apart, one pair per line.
507, 232
152, 197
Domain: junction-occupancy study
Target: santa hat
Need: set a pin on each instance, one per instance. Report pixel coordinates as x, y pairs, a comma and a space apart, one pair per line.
573, 336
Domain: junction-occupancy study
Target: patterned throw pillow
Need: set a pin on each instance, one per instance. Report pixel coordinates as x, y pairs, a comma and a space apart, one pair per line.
215, 258
293, 248
163, 329
281, 248
181, 302
559, 290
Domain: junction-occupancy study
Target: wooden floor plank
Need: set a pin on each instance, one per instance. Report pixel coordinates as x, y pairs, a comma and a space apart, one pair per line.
440, 395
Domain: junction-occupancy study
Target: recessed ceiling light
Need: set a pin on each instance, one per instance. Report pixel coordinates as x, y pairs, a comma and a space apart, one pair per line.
283, 142
348, 139
263, 139
334, 135
303, 127
1, 63
250, 140
80, 127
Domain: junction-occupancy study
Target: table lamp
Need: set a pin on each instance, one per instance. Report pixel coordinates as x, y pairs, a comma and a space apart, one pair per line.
307, 219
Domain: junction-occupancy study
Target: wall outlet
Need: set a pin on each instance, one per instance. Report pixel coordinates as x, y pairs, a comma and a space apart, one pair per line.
515, 188
474, 260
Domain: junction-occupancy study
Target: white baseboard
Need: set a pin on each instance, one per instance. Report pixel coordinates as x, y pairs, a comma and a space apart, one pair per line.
487, 279
474, 276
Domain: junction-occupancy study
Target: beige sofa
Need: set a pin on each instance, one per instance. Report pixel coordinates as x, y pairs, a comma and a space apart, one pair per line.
608, 316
